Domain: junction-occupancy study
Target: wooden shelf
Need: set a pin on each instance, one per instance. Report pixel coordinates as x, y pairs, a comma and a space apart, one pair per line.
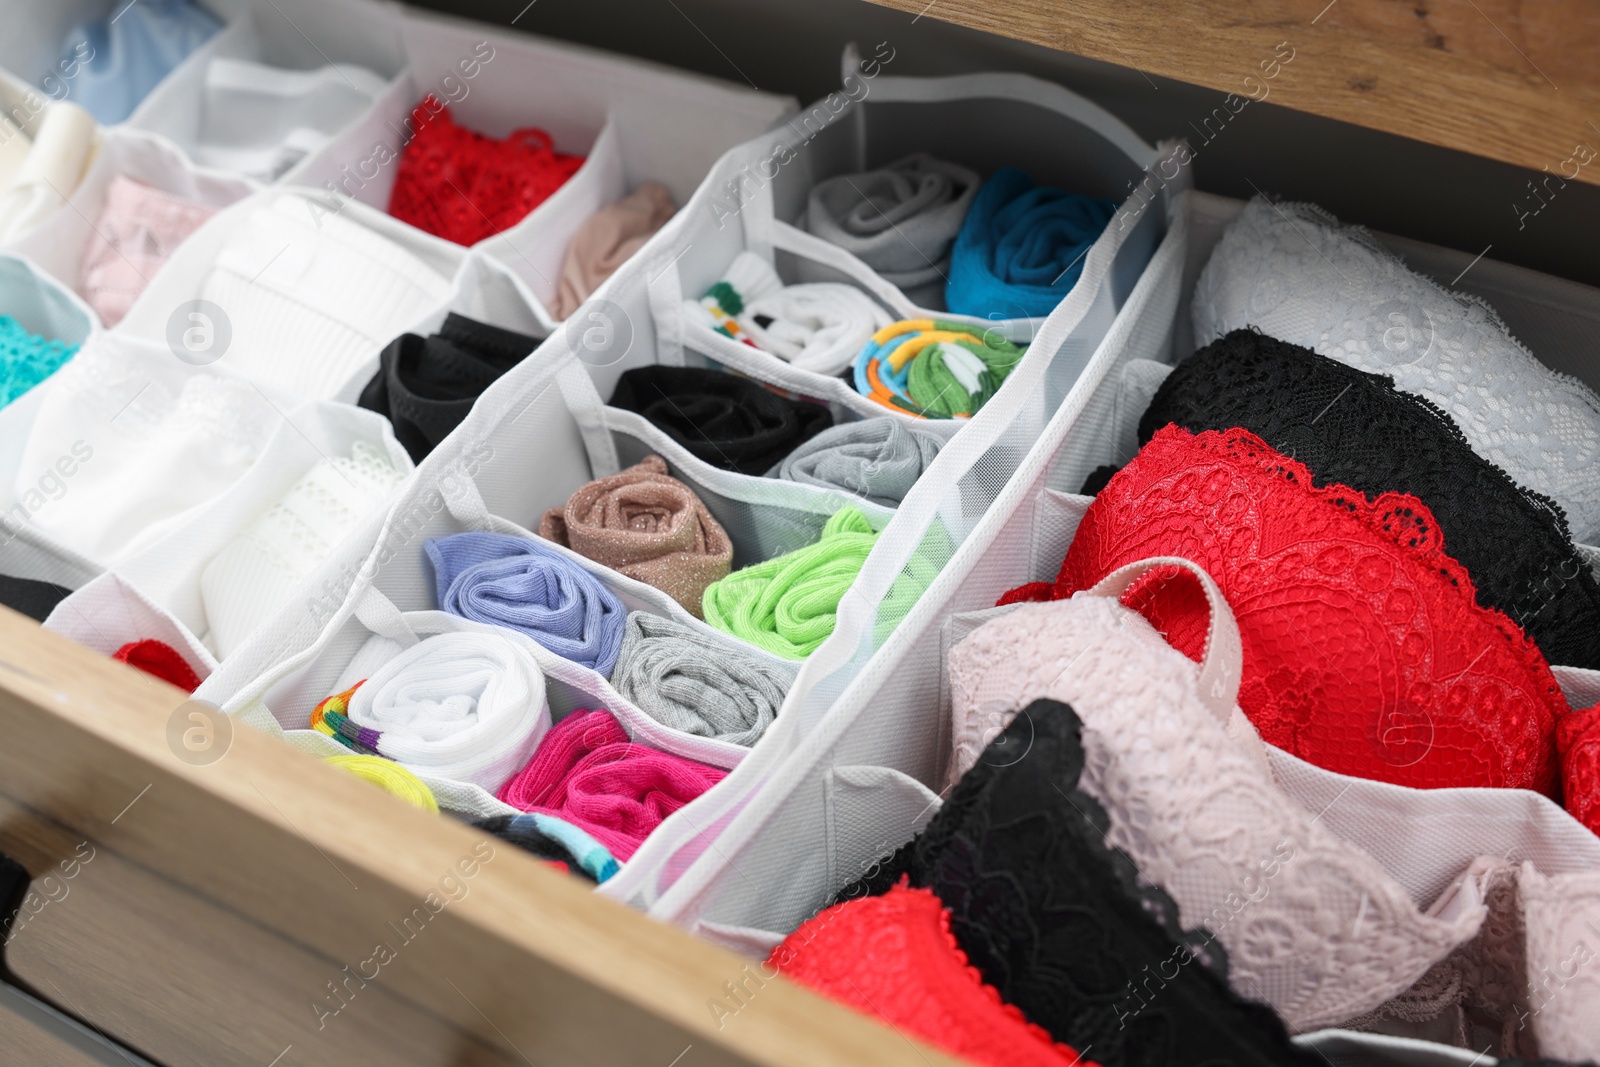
1512, 81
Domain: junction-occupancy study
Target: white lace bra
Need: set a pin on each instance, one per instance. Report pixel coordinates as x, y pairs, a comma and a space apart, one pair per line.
1291, 271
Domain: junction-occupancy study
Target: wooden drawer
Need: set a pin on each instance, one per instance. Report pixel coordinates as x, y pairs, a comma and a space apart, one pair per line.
263, 909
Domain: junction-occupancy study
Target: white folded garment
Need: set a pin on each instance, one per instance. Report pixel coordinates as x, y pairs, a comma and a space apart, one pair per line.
256, 574
466, 706
261, 120
311, 296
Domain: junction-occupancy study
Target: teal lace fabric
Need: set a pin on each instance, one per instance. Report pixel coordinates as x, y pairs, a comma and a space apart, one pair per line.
26, 359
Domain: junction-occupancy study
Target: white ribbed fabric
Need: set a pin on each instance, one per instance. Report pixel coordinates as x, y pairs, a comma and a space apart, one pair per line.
1291, 271
311, 295
467, 706
254, 575
129, 439
261, 120
54, 165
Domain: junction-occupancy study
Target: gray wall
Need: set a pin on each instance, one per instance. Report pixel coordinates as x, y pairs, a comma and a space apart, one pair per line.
1388, 183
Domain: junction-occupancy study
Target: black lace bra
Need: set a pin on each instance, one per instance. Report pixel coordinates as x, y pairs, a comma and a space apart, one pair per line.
1061, 926
1357, 429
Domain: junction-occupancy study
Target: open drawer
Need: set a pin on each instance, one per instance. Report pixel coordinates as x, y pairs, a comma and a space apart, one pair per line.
208, 895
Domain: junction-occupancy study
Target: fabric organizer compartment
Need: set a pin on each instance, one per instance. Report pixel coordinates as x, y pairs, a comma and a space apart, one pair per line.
43, 308
69, 239
815, 818
764, 517
1126, 286
174, 571
755, 192
109, 613
624, 116
47, 143
376, 632
260, 97
32, 49
481, 478
291, 277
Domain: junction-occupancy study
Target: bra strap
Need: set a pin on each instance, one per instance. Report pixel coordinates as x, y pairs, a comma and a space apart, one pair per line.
1222, 665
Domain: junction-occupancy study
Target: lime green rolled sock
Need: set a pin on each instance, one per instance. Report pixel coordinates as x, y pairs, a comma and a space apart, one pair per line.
786, 605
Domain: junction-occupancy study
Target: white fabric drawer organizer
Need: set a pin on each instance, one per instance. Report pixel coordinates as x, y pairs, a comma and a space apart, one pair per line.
791, 832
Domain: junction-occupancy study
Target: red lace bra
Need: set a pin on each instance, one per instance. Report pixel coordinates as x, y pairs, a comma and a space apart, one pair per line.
1364, 651
463, 186
894, 956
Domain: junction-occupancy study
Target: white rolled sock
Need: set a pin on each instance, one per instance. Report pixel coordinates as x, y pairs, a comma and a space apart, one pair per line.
819, 326
465, 706
249, 580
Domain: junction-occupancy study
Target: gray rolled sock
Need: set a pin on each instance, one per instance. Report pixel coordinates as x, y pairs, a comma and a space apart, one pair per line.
876, 459
901, 221
691, 682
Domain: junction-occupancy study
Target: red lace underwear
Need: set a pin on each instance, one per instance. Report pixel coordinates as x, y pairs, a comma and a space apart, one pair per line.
1364, 651
894, 957
463, 186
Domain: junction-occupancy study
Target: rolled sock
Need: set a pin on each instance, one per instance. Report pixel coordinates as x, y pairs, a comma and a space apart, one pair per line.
934, 369
138, 229
817, 327
877, 459
787, 605
26, 359
1022, 247
50, 172
463, 186
747, 278
120, 57
647, 525
730, 422
524, 586
388, 776
426, 386
588, 773
554, 839
465, 706
159, 660
255, 574
261, 120
901, 221
606, 240
685, 680
311, 295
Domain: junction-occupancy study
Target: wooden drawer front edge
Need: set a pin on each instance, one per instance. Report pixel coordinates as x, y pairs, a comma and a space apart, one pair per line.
1481, 77
296, 870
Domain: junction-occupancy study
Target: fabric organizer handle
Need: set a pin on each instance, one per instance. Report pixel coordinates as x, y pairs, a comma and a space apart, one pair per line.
1222, 665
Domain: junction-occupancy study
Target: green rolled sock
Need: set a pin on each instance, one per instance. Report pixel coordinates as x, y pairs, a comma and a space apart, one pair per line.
787, 605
